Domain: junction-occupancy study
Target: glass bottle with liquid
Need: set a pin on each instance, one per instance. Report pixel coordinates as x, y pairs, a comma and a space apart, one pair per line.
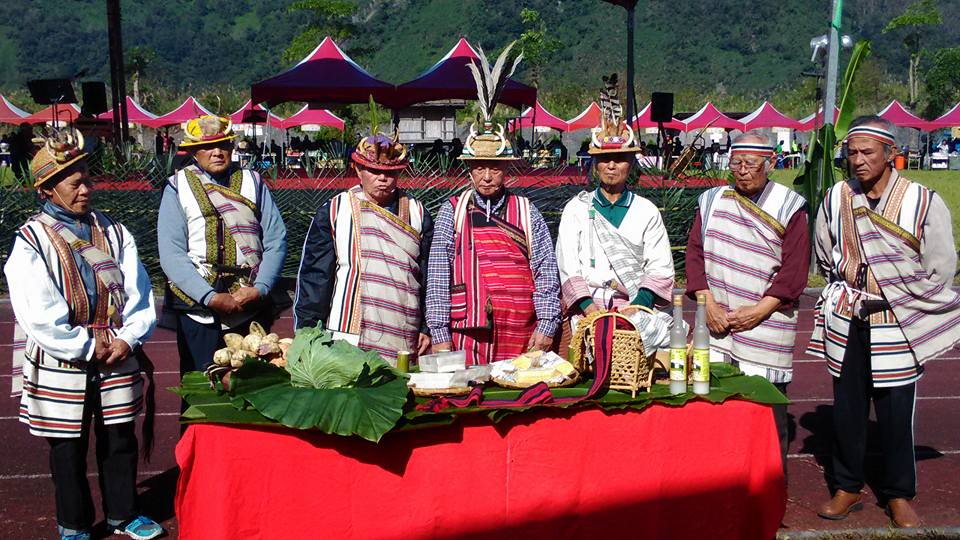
678, 349
701, 349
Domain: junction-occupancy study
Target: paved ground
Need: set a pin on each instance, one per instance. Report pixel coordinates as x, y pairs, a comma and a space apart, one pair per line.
26, 492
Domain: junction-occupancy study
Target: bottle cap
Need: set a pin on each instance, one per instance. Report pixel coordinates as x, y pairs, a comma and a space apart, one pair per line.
701, 298
678, 300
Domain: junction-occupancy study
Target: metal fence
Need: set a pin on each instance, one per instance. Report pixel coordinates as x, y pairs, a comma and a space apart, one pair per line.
130, 186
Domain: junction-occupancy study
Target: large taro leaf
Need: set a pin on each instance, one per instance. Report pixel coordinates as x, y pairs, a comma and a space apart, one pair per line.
365, 411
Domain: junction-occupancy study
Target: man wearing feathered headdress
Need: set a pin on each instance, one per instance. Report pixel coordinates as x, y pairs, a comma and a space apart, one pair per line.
886, 247
612, 247
363, 268
492, 287
221, 241
84, 306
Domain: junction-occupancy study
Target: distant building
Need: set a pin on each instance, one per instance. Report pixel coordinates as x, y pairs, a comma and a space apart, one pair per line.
429, 121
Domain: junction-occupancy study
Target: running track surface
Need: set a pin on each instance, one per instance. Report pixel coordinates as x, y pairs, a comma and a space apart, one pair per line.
26, 491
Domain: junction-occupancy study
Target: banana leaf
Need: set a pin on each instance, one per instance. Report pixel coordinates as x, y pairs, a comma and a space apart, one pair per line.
823, 143
848, 102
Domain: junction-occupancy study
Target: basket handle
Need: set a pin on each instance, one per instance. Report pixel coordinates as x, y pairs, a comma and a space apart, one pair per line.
616, 315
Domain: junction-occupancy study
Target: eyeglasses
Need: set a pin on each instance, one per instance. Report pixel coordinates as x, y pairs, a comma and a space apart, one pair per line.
737, 164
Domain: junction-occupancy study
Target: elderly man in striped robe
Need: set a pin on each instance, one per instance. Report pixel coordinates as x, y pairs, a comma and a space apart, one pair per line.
84, 306
885, 245
221, 242
748, 253
362, 270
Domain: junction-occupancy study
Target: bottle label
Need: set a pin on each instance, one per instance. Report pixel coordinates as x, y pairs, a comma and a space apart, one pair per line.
701, 365
678, 364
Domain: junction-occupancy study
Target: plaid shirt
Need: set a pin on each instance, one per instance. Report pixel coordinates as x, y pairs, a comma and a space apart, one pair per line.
543, 263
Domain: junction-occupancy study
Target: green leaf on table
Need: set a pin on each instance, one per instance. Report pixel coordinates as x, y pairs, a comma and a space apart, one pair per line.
753, 388
721, 370
369, 410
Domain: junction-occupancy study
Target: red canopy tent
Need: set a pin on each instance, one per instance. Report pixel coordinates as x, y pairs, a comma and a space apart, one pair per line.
642, 121
810, 122
707, 114
308, 116
767, 116
949, 119
588, 119
326, 75
10, 113
135, 114
450, 78
900, 116
237, 117
190, 108
65, 113
539, 116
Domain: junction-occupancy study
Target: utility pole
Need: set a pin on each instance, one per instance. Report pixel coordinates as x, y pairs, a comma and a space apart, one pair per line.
118, 78
830, 95
630, 6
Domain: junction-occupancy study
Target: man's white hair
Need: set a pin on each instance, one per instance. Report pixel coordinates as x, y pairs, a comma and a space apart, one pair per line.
754, 135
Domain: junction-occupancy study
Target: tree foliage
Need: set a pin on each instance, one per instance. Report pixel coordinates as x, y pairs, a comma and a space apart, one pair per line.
943, 81
324, 18
915, 21
536, 44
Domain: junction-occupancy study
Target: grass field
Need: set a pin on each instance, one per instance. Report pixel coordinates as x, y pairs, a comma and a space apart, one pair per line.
945, 183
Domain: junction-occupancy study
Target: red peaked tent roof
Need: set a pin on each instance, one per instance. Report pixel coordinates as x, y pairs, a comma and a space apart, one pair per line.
326, 75
272, 119
709, 113
642, 121
950, 119
67, 113
809, 122
538, 116
190, 108
900, 116
767, 116
135, 114
450, 78
306, 115
10, 113
588, 119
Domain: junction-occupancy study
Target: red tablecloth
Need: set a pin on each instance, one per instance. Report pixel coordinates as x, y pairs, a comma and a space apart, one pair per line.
700, 471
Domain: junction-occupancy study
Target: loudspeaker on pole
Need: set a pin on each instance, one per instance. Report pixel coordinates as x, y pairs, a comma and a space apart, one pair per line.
661, 107
94, 98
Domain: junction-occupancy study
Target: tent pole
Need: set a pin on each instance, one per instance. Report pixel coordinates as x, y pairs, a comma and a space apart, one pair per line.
631, 98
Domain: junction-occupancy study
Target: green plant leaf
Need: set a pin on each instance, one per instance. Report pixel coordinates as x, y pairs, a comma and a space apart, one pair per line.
366, 411
848, 101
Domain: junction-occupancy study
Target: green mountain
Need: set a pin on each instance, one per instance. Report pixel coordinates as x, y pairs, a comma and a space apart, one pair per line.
734, 51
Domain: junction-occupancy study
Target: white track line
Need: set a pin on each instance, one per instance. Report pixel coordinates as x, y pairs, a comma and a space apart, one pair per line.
8, 375
47, 475
921, 453
157, 414
817, 400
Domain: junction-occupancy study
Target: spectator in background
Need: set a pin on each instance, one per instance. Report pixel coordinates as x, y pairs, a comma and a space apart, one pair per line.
456, 148
21, 150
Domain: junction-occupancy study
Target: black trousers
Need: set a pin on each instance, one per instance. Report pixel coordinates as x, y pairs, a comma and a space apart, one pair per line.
852, 393
116, 449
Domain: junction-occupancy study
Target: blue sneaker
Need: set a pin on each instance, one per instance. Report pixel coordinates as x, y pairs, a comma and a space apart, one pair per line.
78, 536
139, 528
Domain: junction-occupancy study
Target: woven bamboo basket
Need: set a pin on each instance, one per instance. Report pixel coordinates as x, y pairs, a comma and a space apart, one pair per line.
630, 368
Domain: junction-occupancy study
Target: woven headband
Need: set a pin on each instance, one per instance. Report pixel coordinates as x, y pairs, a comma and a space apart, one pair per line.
751, 148
872, 132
